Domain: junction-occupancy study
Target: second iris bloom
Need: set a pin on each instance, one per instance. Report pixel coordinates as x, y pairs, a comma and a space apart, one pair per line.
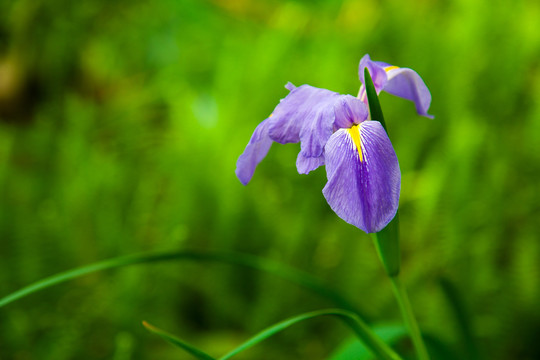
335, 130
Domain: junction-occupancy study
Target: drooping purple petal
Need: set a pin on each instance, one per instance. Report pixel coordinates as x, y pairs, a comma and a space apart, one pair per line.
306, 115
407, 84
402, 82
363, 186
255, 151
305, 164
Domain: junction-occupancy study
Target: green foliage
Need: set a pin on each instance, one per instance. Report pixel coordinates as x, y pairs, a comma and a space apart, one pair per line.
299, 278
120, 126
371, 344
197, 353
354, 349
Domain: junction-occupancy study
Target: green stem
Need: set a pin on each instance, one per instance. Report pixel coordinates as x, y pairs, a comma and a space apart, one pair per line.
387, 246
408, 316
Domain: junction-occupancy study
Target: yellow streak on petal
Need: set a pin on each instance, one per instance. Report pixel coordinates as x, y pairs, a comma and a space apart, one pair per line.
388, 68
354, 132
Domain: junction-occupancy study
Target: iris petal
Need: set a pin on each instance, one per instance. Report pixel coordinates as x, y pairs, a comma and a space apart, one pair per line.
363, 184
307, 116
407, 84
349, 111
378, 75
305, 164
255, 151
402, 82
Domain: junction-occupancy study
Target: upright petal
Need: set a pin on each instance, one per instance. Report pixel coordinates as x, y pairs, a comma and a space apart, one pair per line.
363, 176
378, 75
306, 115
255, 151
407, 84
349, 111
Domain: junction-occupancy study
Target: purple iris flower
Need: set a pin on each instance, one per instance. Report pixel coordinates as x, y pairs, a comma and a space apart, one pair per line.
334, 130
402, 82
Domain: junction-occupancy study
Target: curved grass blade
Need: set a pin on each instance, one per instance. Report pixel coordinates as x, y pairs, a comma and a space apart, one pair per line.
303, 279
354, 349
364, 333
199, 354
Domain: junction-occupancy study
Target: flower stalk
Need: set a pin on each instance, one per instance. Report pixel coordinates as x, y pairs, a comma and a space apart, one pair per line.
402, 298
387, 243
387, 246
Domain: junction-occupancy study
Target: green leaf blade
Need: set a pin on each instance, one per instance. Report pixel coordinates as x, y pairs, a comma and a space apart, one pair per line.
197, 353
301, 278
355, 349
375, 345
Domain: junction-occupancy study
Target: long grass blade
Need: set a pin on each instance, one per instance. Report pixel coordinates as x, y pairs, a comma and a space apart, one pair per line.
364, 333
354, 349
300, 278
199, 354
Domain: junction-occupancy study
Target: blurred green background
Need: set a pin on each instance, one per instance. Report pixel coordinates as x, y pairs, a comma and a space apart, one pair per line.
120, 126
